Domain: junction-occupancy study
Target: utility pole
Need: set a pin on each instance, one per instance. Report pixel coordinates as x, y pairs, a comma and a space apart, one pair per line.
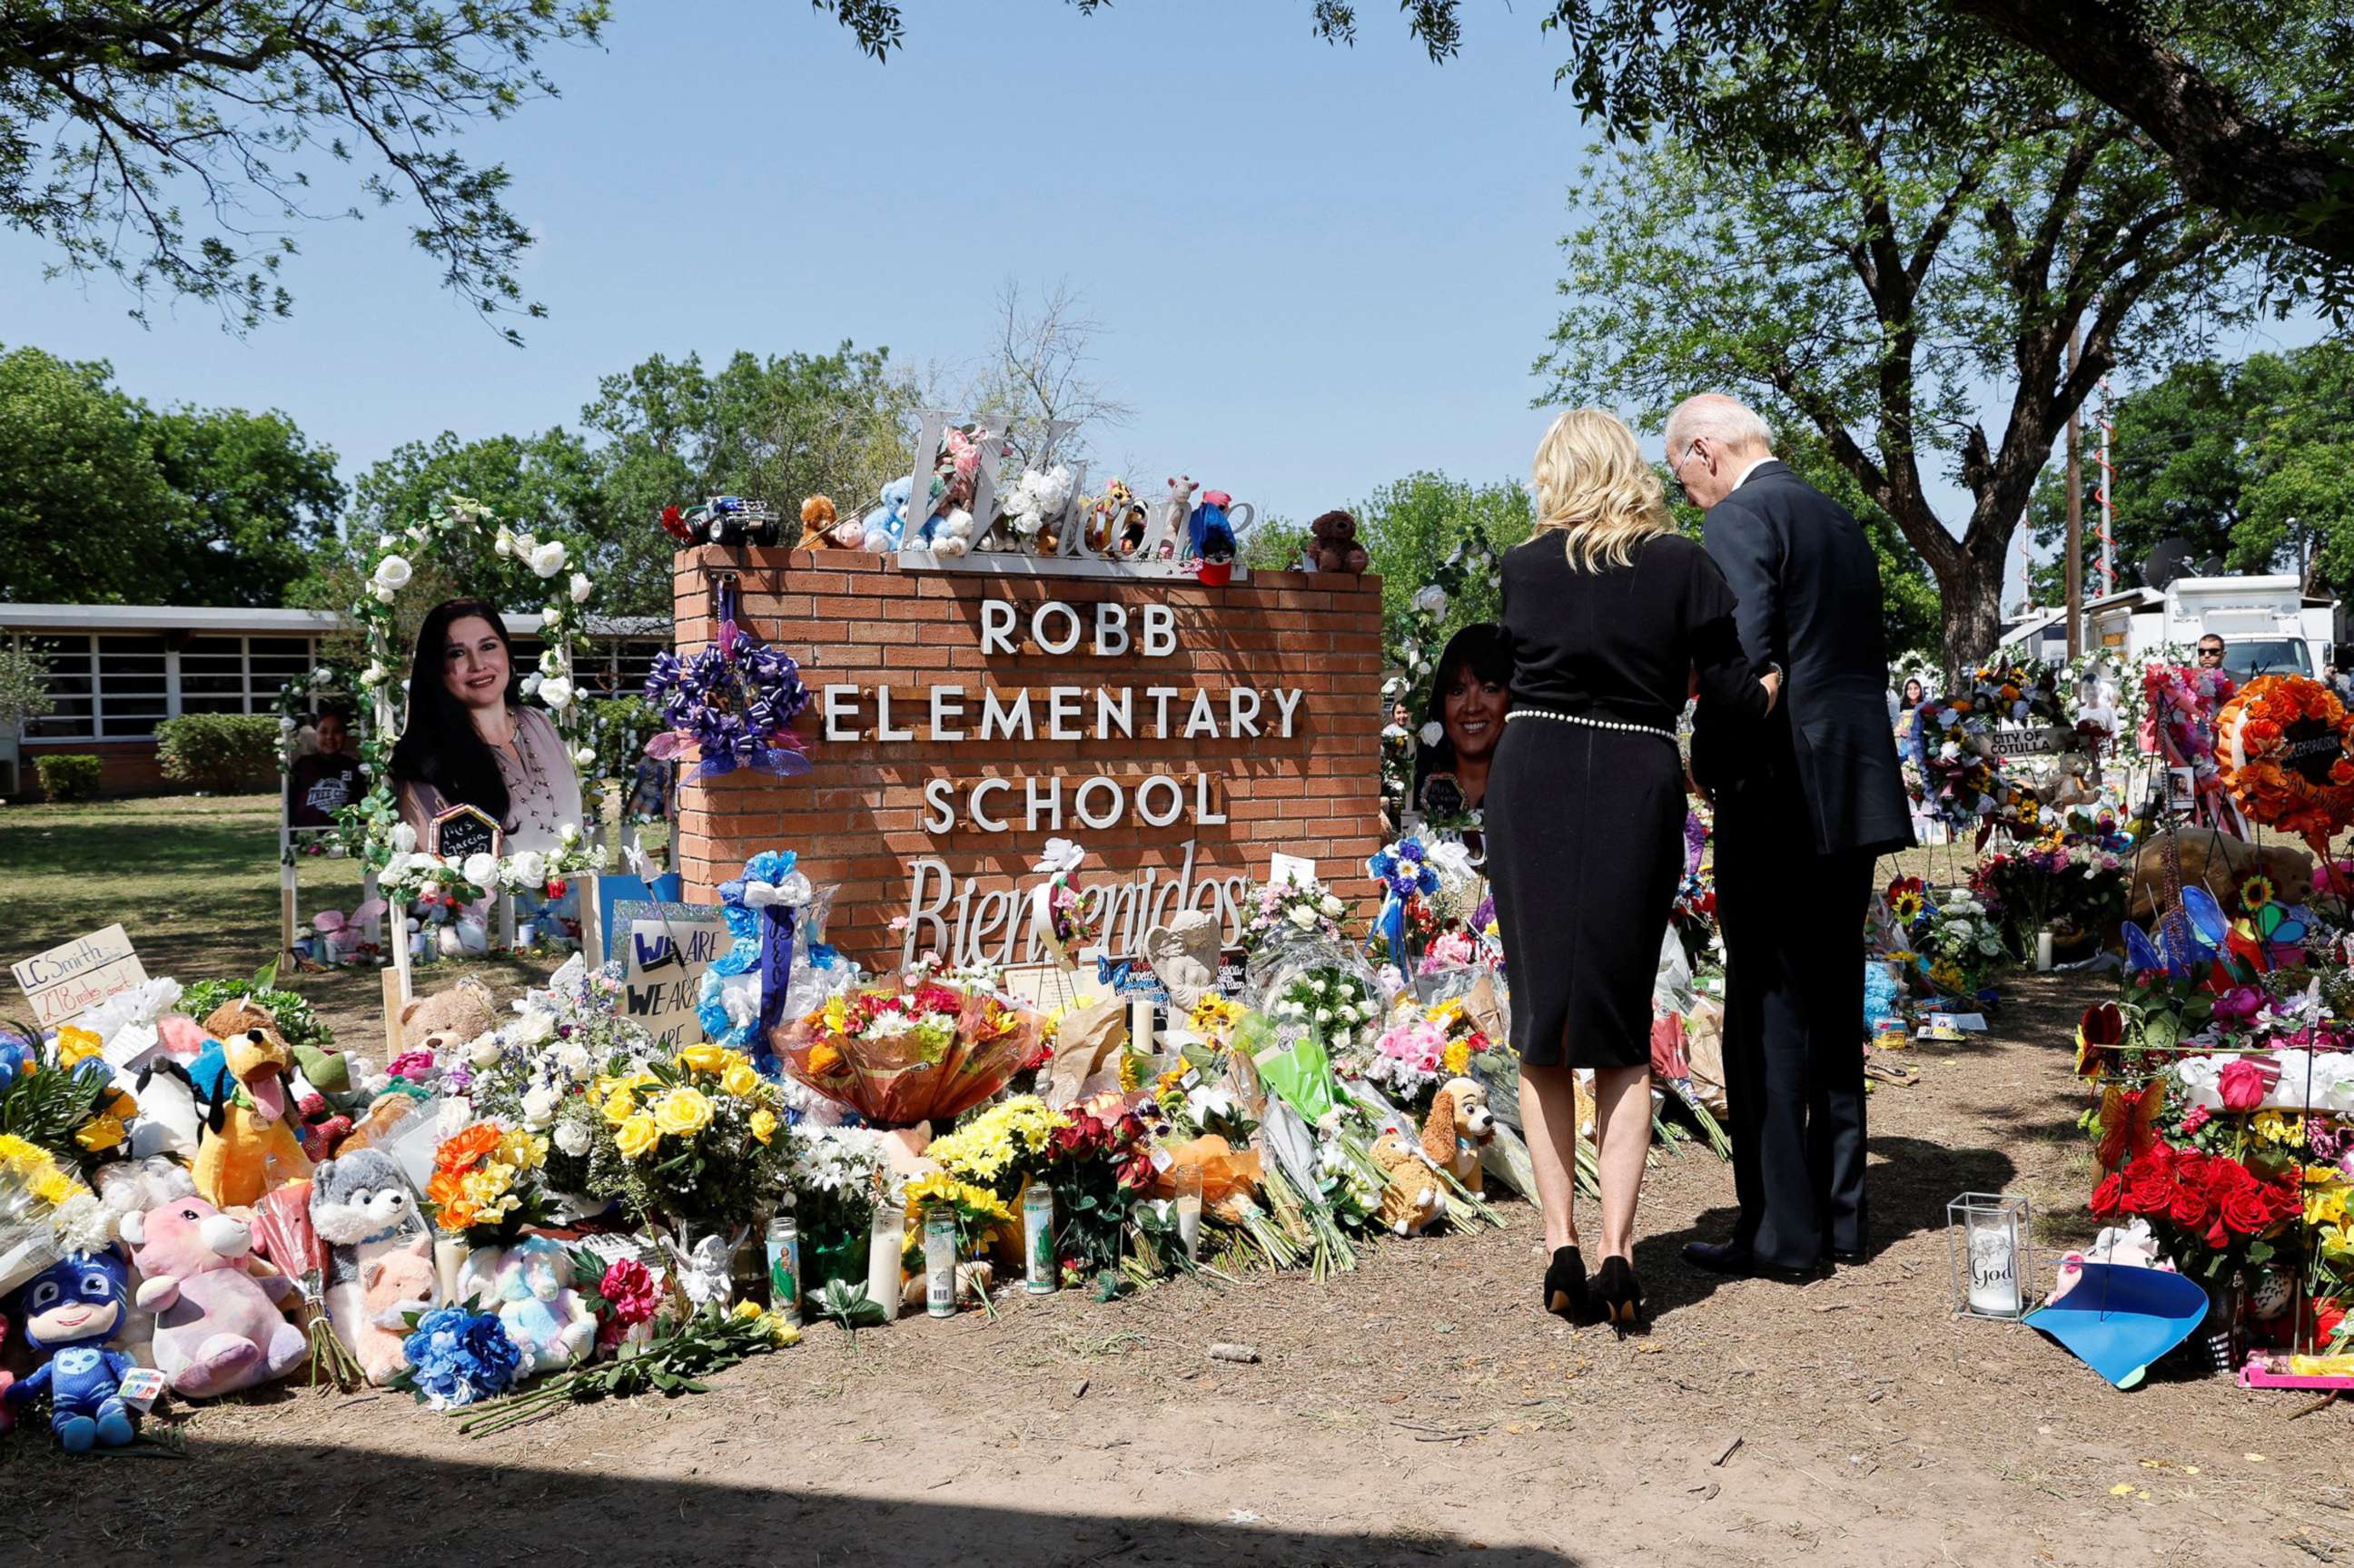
2076, 512
2107, 496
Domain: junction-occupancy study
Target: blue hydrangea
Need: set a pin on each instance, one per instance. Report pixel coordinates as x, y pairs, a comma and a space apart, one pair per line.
457, 1357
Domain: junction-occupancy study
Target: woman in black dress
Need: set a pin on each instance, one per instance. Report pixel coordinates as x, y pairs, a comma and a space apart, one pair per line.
1612, 620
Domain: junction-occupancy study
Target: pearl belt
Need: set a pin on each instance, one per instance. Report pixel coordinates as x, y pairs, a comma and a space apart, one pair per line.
1668, 736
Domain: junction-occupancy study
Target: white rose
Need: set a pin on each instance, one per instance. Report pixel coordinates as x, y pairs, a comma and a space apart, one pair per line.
456, 1112
404, 837
1317, 986
1331, 906
1324, 1015
506, 542
384, 593
573, 1139
482, 869
529, 869
394, 572
557, 693
1433, 732
549, 559
538, 1106
1431, 599
585, 756
486, 1049
569, 832
572, 1057
581, 587
374, 675
1303, 916
285, 726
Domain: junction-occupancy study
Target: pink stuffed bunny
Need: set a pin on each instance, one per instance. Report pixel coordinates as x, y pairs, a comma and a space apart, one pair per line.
217, 1326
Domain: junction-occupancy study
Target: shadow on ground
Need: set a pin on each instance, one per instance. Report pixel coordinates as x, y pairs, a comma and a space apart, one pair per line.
395, 1510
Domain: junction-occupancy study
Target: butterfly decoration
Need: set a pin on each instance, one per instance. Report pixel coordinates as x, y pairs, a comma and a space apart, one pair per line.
2275, 930
2098, 1037
2193, 940
2129, 1122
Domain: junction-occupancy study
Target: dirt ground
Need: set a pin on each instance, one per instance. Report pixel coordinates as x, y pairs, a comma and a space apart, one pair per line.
1422, 1409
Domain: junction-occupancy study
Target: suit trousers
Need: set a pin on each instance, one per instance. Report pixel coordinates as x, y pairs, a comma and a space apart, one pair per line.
1792, 920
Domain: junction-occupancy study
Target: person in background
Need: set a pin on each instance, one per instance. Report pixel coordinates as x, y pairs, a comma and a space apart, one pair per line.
327, 778
1397, 759
1802, 811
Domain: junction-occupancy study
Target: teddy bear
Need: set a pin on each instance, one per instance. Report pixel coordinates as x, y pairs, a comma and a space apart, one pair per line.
1332, 545
218, 1325
248, 1145
70, 1309
362, 1207
543, 1315
948, 529
1176, 511
1412, 1200
448, 1019
884, 525
2219, 864
1458, 1127
822, 525
393, 1284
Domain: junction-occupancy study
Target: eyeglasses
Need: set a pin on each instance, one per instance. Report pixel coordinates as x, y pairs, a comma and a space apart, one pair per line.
1675, 469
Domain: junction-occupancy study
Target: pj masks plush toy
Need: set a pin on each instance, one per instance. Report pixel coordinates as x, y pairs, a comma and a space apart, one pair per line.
70, 1309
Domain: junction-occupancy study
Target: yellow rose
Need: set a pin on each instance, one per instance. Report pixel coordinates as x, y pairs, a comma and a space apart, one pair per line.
741, 1079
620, 1105
76, 1046
705, 1058
103, 1132
764, 1124
524, 1150
682, 1111
743, 1311
637, 1136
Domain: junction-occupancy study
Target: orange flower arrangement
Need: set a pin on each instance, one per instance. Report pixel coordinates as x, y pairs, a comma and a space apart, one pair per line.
2262, 739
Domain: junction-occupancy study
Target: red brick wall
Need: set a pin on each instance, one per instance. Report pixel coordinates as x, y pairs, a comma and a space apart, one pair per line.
856, 817
125, 767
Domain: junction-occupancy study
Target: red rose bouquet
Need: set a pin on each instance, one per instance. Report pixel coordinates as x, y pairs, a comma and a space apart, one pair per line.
2213, 1213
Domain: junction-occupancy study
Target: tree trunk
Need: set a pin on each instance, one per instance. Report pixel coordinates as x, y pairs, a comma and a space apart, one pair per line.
1969, 594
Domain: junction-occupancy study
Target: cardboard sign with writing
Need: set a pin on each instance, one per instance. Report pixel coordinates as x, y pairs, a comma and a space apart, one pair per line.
66, 981
463, 830
666, 947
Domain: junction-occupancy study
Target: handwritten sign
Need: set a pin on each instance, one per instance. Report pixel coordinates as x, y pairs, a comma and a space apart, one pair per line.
666, 949
66, 981
463, 830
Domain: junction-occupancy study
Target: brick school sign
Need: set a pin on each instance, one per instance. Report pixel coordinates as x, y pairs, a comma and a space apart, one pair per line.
960, 719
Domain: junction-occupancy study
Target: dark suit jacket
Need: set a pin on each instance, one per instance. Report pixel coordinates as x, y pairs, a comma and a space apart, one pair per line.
1809, 584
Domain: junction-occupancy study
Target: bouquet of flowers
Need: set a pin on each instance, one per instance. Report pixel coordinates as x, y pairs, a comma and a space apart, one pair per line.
485, 1185
62, 1098
697, 1140
834, 1173
457, 1356
1289, 909
2073, 889
45, 1214
1407, 921
901, 1054
1955, 942
1416, 1054
2212, 1210
2019, 690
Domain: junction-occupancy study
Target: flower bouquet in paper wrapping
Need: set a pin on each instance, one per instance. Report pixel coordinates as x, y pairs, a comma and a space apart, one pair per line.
1064, 921
1293, 925
906, 1053
282, 1234
45, 1214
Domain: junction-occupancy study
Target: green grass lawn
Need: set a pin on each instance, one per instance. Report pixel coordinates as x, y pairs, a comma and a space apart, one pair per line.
193, 880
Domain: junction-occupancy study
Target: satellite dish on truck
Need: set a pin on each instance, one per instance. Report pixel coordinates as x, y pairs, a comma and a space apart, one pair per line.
2169, 561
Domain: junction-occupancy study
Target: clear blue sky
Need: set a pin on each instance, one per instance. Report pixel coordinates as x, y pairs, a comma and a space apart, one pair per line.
1316, 268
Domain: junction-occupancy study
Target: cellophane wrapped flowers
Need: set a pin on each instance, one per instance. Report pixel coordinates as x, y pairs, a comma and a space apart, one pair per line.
901, 1054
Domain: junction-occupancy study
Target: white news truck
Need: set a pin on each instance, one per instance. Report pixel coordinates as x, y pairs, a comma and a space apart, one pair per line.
2269, 624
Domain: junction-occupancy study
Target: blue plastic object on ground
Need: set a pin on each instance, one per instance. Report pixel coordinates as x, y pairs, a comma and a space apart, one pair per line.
2118, 1319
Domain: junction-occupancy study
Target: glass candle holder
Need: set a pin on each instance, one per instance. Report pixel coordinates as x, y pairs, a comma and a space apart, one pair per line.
1990, 1241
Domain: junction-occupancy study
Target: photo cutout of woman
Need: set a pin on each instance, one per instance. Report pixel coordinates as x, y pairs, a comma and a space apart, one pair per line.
1469, 697
471, 740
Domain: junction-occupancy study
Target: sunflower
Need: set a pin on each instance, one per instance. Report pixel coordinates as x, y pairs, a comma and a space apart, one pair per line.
2255, 892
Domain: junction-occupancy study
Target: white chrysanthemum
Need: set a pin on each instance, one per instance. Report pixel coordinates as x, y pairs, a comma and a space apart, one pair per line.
572, 1139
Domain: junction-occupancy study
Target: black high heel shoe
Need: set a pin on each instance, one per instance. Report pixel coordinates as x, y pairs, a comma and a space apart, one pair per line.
1565, 1284
1622, 1295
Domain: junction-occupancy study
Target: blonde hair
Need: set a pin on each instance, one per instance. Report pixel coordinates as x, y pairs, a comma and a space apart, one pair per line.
1594, 488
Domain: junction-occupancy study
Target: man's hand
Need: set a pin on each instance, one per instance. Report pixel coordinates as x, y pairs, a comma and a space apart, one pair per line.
1697, 790
1772, 681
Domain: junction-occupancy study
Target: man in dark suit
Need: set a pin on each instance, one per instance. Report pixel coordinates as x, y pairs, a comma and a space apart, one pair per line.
1805, 805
